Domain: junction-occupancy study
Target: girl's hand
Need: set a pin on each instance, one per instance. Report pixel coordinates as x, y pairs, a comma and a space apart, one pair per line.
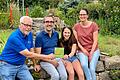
65, 57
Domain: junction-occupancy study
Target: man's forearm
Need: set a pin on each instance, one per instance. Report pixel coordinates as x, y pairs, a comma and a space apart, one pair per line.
46, 60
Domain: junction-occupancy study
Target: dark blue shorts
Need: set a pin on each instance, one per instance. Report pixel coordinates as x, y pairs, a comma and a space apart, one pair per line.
71, 59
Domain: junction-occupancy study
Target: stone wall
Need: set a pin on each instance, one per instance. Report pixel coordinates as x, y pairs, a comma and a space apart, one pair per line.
108, 68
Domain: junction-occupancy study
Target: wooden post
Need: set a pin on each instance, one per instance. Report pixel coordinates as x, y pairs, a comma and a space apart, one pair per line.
11, 16
27, 11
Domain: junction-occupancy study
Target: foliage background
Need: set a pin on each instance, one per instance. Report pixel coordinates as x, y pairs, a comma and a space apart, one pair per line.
104, 12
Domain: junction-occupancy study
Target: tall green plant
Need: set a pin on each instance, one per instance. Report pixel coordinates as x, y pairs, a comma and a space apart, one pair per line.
16, 15
102, 25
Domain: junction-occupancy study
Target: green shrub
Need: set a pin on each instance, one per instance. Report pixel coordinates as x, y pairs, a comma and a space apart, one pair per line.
71, 16
102, 25
37, 11
112, 10
94, 10
4, 20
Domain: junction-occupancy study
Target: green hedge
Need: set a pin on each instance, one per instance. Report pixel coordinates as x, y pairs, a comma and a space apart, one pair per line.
4, 20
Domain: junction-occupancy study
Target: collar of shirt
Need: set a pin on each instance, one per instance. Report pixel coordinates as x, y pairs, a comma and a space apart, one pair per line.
44, 32
21, 34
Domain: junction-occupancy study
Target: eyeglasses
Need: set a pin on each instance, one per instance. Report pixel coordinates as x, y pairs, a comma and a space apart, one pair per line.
82, 14
26, 25
48, 21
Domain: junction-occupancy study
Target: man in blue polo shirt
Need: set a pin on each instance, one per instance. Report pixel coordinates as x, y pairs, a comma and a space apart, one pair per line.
18, 47
45, 43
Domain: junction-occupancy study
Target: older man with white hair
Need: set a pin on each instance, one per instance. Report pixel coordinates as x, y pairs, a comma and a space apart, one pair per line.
19, 46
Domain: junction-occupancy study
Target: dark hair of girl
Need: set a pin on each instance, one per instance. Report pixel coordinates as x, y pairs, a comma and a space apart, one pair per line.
70, 40
62, 37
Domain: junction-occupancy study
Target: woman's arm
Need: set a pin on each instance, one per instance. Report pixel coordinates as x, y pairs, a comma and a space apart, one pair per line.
95, 42
79, 45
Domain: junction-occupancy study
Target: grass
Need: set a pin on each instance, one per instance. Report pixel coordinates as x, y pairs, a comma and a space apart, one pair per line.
110, 45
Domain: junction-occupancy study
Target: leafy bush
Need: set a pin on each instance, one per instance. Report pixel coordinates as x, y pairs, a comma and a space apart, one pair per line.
112, 10
59, 13
94, 10
102, 25
4, 20
37, 11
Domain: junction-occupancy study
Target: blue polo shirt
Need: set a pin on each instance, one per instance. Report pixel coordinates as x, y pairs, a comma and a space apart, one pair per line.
47, 43
16, 43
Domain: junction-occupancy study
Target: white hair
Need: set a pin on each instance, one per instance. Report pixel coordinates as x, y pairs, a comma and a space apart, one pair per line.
23, 17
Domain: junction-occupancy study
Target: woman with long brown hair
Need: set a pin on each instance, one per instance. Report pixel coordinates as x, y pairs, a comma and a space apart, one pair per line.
72, 64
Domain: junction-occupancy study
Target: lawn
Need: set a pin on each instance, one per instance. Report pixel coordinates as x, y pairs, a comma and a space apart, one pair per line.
110, 45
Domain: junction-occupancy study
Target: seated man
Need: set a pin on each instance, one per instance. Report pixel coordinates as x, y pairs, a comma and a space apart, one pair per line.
45, 43
19, 46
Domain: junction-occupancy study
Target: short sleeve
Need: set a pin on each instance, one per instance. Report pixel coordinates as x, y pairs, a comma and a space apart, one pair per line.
16, 44
74, 41
75, 27
95, 27
31, 39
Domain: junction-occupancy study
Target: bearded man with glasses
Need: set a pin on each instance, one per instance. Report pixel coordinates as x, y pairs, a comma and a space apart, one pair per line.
45, 43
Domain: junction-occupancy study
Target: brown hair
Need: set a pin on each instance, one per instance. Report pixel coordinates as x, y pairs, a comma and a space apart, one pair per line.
70, 40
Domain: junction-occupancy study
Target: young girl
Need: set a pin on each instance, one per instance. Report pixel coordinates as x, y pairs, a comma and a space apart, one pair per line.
69, 43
